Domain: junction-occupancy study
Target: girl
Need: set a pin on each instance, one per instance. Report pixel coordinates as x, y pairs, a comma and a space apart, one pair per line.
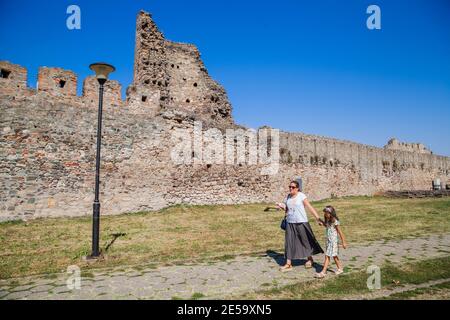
333, 229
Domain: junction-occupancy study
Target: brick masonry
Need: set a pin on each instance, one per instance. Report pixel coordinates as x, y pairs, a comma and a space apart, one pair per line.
112, 95
57, 82
47, 144
13, 78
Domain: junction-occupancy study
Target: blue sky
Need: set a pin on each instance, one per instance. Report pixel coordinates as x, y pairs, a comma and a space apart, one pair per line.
308, 66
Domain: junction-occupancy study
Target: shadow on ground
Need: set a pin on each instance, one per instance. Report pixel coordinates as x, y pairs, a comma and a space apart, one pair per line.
114, 238
280, 260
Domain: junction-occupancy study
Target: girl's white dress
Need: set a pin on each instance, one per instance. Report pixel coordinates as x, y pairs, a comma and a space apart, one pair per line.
332, 239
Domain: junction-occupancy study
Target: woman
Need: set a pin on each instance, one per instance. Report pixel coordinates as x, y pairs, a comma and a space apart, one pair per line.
300, 241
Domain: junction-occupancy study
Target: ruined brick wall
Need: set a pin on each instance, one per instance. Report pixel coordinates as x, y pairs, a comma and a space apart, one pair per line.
47, 154
112, 95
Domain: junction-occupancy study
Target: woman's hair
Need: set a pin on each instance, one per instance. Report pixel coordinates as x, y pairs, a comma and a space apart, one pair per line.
296, 184
333, 214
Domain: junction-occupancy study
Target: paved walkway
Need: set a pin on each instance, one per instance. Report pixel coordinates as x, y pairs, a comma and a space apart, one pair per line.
215, 280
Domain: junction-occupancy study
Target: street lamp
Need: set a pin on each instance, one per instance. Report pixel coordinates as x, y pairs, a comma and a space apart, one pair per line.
102, 70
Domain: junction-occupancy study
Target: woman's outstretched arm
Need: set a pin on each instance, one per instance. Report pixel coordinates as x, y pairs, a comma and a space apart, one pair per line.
312, 210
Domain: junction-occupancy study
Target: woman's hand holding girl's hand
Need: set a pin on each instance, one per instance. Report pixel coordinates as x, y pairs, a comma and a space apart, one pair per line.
320, 222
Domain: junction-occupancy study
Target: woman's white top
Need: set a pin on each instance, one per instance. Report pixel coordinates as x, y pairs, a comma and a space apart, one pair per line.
296, 212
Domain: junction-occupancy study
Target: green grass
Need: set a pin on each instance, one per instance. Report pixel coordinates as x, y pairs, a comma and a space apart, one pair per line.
197, 296
185, 234
436, 292
356, 283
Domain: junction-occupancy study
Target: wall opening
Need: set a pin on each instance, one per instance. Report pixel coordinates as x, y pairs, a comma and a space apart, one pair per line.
4, 73
144, 98
195, 84
187, 100
61, 83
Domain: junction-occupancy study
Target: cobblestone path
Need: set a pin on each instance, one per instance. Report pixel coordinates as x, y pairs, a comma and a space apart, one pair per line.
215, 280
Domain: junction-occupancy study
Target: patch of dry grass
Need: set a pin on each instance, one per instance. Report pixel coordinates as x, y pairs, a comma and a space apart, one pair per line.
199, 233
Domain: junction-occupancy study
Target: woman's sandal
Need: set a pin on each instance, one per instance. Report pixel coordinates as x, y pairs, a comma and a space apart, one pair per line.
286, 268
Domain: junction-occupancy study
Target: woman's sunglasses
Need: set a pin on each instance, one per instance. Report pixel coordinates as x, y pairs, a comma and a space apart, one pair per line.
292, 187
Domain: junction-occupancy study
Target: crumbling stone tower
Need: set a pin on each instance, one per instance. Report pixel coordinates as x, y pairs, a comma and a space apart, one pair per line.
150, 82
170, 75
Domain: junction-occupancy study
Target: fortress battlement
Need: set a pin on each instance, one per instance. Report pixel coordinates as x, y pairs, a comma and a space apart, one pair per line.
56, 85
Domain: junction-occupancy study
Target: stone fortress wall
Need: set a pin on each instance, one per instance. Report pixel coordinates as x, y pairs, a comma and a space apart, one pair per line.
47, 144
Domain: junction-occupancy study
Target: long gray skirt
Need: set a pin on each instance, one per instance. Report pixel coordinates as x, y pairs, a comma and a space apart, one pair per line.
300, 241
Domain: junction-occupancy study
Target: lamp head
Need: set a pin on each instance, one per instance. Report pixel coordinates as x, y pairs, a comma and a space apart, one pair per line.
102, 70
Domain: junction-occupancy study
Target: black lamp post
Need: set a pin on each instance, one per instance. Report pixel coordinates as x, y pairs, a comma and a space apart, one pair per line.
102, 70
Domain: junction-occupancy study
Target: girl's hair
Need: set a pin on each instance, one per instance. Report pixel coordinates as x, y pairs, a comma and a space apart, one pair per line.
332, 212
